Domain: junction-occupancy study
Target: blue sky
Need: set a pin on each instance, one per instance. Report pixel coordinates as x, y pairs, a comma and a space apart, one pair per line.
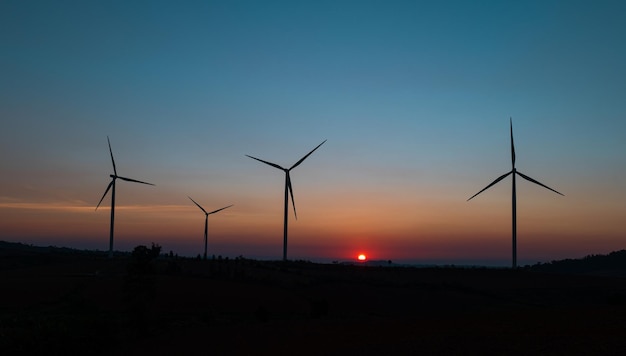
414, 98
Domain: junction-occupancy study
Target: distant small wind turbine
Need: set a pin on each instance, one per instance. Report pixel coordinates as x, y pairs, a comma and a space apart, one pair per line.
114, 176
288, 191
513, 172
206, 221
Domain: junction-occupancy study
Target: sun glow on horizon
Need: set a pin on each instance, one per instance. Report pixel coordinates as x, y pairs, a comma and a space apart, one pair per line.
362, 257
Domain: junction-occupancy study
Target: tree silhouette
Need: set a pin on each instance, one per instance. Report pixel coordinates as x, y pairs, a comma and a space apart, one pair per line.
142, 258
139, 285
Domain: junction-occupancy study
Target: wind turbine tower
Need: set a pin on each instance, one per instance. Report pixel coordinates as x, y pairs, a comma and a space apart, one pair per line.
513, 172
111, 187
288, 191
206, 221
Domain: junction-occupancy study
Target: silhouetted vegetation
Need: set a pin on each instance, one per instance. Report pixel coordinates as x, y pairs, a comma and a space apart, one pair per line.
142, 259
612, 264
63, 301
139, 286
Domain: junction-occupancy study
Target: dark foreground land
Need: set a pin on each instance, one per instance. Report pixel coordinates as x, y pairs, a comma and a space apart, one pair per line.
70, 302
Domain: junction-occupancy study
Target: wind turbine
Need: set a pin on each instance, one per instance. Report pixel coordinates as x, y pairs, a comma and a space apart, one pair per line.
513, 172
206, 221
114, 176
288, 191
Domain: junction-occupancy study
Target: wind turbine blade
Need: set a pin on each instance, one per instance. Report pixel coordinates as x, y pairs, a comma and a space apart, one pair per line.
105, 193
201, 208
291, 192
215, 211
308, 154
492, 183
266, 162
536, 182
512, 145
134, 180
112, 160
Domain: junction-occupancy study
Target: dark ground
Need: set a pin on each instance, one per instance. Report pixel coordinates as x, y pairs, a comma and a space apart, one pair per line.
64, 301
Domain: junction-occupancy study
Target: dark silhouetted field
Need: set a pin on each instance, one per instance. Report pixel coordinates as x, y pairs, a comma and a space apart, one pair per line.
60, 301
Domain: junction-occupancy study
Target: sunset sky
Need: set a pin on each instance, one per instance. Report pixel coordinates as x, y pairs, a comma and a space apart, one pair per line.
414, 98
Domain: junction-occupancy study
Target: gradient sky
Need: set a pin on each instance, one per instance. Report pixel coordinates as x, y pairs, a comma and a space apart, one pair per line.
414, 98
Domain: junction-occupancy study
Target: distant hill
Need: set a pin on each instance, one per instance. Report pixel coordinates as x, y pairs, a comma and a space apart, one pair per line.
18, 248
19, 255
613, 264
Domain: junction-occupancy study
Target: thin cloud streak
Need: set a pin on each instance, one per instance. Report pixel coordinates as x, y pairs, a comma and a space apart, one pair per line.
46, 206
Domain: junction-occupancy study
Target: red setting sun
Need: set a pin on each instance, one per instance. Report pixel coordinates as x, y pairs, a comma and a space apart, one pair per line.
362, 257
